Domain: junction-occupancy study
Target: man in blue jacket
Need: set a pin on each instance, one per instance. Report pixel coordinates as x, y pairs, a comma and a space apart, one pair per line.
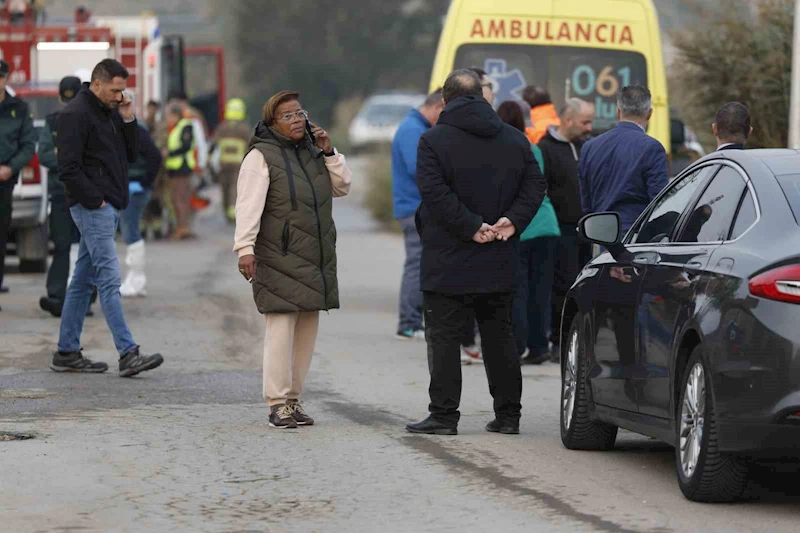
624, 169
406, 201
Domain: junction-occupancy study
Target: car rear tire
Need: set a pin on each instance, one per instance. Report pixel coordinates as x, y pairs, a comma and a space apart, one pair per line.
704, 473
33, 266
578, 430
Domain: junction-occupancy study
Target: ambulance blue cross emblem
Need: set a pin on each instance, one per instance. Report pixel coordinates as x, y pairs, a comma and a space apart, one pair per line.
508, 84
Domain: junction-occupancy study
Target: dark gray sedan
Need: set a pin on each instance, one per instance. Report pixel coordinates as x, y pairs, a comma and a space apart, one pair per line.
688, 330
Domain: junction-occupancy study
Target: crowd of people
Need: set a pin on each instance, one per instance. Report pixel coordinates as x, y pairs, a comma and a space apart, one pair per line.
488, 217
456, 170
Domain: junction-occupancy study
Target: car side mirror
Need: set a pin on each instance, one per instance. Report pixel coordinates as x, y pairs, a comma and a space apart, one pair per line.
600, 228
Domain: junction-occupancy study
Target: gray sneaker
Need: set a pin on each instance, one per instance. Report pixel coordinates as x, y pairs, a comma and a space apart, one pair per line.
76, 362
135, 362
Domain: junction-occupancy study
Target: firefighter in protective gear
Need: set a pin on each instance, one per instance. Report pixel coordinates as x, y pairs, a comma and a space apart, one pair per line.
180, 163
231, 138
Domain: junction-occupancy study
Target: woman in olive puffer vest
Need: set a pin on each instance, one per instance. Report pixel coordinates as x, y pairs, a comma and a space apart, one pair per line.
286, 241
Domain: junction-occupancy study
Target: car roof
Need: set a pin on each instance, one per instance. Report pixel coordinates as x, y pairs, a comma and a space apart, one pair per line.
779, 161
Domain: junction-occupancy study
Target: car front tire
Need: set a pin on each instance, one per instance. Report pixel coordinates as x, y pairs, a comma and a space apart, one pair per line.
578, 430
704, 474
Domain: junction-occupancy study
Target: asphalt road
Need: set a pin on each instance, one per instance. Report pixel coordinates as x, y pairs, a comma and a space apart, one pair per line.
187, 447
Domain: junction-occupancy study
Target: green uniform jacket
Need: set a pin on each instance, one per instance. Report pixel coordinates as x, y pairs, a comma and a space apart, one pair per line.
17, 135
47, 154
296, 245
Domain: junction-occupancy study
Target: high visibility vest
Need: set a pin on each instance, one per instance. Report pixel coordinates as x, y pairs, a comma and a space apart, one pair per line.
175, 142
231, 150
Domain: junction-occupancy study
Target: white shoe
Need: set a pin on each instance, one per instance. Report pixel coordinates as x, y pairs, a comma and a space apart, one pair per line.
135, 282
411, 335
471, 354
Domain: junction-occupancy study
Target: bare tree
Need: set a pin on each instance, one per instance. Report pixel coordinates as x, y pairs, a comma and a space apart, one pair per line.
736, 50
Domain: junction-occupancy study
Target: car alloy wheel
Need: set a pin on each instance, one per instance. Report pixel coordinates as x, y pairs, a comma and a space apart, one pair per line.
692, 419
580, 430
570, 380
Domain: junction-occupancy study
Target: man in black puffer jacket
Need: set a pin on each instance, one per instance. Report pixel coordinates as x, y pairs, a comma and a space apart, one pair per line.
480, 188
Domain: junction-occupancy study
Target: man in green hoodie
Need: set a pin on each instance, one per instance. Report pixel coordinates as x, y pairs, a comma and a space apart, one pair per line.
63, 231
17, 145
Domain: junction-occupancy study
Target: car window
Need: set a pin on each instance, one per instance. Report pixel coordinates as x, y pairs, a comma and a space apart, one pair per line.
667, 211
712, 216
790, 184
746, 217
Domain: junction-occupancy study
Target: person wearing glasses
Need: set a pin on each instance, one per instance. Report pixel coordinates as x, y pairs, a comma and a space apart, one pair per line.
286, 241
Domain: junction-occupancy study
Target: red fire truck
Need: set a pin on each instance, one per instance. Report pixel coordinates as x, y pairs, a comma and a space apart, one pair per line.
40, 55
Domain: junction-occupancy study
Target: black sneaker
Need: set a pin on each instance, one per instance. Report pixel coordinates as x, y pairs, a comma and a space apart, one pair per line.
503, 426
282, 417
50, 305
134, 362
76, 362
299, 414
430, 426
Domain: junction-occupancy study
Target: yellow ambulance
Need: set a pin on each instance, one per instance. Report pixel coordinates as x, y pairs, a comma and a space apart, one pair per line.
588, 49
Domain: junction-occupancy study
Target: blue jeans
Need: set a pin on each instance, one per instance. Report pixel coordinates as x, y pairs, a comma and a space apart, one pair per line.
131, 218
97, 266
410, 293
532, 300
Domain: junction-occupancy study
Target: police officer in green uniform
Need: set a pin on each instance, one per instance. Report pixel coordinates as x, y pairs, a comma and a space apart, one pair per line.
17, 146
63, 231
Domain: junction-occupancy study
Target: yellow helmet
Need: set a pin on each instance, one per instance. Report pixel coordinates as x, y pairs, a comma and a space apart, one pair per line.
235, 109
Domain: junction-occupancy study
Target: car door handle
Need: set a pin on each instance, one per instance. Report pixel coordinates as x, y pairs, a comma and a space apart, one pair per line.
693, 266
647, 259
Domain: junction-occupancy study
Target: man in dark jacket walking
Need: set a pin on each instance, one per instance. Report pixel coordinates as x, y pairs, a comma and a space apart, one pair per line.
97, 136
17, 145
561, 149
480, 187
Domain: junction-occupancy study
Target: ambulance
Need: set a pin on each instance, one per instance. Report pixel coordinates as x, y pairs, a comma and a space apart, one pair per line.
587, 49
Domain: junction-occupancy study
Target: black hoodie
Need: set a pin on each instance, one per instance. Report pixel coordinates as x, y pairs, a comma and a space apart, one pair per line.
473, 168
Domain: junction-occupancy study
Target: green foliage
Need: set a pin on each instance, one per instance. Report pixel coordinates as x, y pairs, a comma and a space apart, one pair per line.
737, 50
333, 50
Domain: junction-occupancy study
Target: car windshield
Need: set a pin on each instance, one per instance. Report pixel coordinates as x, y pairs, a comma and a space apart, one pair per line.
591, 74
386, 113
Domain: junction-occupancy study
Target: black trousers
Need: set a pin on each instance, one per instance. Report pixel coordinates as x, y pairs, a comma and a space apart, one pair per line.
63, 233
6, 189
445, 317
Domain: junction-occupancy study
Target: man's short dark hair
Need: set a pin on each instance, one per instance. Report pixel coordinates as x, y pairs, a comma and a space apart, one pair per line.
733, 121
463, 82
108, 69
153, 103
434, 98
479, 71
536, 96
634, 101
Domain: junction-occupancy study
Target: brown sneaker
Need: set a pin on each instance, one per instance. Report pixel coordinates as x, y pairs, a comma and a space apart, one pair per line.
299, 414
281, 417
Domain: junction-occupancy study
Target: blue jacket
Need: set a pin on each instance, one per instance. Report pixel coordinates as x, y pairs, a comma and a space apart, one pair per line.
622, 170
404, 164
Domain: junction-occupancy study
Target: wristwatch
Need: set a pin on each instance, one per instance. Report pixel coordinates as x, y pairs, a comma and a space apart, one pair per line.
331, 154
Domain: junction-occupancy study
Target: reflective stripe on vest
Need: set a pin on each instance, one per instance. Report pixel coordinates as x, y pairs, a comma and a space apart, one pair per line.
231, 150
174, 142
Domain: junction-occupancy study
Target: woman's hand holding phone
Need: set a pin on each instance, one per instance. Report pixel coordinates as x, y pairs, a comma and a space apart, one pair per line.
322, 139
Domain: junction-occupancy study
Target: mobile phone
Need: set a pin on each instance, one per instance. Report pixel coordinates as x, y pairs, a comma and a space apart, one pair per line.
310, 133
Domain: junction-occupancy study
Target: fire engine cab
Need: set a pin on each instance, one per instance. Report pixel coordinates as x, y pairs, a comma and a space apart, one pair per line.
40, 55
